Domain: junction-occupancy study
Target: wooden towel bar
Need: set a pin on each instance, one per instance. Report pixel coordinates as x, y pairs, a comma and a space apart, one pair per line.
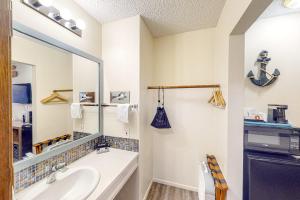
221, 186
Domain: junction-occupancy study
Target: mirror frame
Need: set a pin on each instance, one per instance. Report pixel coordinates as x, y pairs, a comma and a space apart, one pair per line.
20, 165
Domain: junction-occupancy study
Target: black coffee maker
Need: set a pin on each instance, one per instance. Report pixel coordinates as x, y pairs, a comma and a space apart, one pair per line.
276, 113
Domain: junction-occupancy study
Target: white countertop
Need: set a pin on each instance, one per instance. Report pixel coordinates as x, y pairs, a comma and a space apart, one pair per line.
114, 167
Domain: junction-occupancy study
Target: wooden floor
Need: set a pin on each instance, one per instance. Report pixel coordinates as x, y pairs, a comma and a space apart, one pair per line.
165, 192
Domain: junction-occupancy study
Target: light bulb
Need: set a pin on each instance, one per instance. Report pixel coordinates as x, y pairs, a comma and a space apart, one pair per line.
53, 12
80, 24
68, 24
52, 15
294, 4
65, 14
46, 3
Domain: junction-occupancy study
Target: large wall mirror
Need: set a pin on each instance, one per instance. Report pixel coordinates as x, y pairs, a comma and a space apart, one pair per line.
56, 97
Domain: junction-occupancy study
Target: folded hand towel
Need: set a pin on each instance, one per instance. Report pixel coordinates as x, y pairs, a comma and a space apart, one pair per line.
123, 113
76, 111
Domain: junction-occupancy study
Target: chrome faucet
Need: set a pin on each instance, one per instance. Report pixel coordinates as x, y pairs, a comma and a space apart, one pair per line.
52, 177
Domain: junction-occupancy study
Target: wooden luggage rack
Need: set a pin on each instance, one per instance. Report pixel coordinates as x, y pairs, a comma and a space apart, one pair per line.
221, 186
41, 145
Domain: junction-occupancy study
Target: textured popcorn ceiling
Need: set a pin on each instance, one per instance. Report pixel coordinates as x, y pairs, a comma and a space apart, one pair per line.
163, 17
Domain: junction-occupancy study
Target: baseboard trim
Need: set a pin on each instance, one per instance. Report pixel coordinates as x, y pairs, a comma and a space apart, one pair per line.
178, 185
148, 190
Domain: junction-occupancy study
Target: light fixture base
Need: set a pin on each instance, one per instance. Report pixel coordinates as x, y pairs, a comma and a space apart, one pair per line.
54, 15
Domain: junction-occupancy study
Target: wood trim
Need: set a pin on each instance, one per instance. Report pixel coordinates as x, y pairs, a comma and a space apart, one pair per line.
6, 163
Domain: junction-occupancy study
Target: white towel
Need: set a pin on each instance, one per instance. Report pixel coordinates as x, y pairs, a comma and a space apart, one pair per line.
76, 111
123, 113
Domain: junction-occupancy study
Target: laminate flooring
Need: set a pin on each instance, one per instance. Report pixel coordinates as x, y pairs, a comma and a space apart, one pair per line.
165, 192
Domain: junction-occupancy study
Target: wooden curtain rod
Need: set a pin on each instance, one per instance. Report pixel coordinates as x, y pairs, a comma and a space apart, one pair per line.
69, 90
183, 86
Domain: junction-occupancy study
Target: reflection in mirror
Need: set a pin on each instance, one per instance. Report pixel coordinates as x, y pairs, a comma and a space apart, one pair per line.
55, 97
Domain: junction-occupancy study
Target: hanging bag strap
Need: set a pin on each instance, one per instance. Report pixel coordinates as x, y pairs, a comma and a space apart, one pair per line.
158, 101
163, 103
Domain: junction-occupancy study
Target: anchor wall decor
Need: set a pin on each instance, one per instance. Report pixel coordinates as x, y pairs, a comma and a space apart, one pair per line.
263, 80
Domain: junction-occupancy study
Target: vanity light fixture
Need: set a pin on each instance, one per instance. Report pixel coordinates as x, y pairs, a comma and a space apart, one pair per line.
46, 3
61, 16
294, 4
54, 14
80, 24
65, 14
71, 24
34, 3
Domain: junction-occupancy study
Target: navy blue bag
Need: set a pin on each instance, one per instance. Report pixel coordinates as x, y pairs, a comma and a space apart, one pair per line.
160, 120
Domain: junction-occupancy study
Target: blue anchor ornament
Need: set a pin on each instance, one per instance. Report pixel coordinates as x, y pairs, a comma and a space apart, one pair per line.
263, 80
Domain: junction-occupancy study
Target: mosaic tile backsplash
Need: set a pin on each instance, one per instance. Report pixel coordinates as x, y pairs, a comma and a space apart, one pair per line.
79, 135
27, 177
37, 172
123, 143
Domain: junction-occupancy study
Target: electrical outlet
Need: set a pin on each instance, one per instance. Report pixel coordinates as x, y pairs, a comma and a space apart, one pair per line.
127, 132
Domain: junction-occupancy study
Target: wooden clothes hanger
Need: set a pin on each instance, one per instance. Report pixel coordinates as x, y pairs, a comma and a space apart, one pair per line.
217, 99
54, 98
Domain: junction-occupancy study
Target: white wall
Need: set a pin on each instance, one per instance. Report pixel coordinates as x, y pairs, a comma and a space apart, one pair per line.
226, 126
232, 12
145, 117
185, 58
121, 55
128, 66
90, 41
280, 36
230, 122
52, 69
86, 79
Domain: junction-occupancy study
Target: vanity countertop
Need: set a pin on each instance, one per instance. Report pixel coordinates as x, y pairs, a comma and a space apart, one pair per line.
115, 168
20, 124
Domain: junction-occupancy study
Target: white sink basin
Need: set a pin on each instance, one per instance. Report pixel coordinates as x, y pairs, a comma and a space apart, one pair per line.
73, 184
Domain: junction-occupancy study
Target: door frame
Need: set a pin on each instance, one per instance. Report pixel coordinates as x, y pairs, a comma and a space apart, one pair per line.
6, 163
235, 93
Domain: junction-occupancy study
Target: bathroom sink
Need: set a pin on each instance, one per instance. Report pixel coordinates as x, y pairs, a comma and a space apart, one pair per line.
73, 184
